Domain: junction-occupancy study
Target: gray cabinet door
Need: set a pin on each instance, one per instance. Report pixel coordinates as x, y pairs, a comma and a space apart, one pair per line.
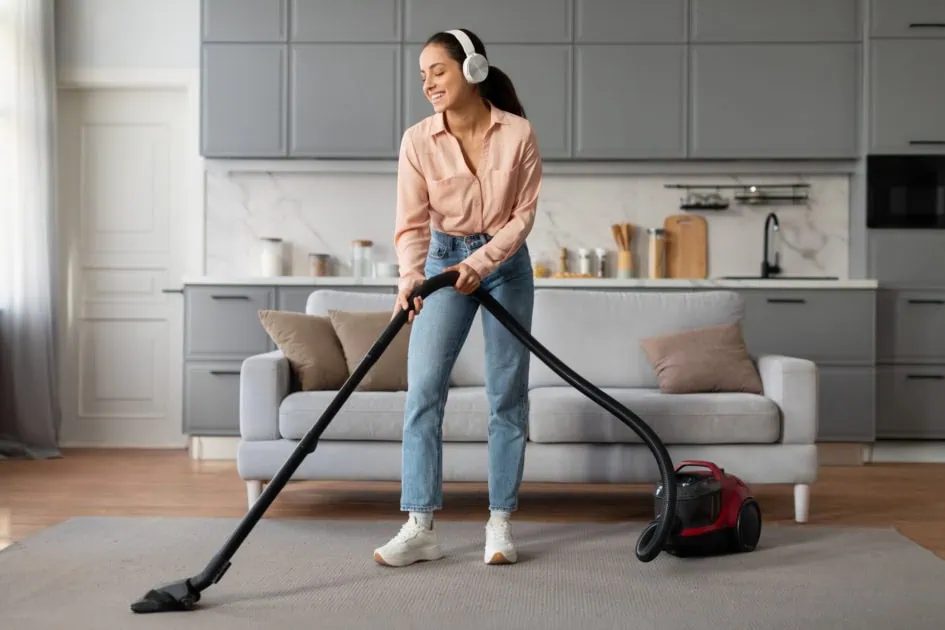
910, 401
494, 21
770, 101
907, 257
829, 327
244, 20
629, 101
907, 96
223, 322
377, 21
911, 326
345, 100
907, 18
728, 21
847, 404
212, 399
243, 100
629, 21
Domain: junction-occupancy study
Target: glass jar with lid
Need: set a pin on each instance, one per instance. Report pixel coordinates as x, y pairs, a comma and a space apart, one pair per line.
362, 259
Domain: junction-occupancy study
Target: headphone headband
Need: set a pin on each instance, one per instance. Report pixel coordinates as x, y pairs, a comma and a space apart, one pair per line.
464, 41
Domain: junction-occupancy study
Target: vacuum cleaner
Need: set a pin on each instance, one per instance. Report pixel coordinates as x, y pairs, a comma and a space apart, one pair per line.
715, 513
184, 594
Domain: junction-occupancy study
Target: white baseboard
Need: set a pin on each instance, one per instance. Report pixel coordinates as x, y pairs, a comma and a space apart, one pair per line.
832, 454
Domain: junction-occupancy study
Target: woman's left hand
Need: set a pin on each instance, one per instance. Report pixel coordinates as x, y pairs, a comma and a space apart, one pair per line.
468, 280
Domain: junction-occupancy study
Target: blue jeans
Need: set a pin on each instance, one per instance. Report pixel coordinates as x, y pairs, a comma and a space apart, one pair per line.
437, 336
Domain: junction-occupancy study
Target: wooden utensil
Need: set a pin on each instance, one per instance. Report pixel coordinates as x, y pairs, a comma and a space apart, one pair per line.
686, 246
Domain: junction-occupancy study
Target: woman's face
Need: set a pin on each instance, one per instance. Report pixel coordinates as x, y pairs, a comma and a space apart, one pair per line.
443, 82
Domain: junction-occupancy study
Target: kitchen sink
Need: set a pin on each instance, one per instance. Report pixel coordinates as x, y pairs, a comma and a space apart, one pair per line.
779, 278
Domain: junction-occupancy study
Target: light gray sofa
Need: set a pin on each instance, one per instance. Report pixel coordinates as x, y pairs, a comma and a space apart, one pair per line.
763, 439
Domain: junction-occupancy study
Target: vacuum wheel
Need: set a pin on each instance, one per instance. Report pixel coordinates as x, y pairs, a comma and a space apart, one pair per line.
748, 528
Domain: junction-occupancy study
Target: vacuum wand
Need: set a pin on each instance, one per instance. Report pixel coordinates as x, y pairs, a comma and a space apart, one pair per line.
184, 594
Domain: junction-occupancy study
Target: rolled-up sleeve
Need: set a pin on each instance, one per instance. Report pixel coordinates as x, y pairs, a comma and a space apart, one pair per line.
513, 234
412, 222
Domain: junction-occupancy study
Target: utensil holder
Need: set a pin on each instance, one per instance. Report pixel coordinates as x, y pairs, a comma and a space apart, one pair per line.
624, 264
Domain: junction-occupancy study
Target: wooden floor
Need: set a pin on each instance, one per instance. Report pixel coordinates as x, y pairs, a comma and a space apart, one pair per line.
38, 494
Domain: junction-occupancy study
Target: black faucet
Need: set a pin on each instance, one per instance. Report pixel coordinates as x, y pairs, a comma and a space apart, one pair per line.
768, 269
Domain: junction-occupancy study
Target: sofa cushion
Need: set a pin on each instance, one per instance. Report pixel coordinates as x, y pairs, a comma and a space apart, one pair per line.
707, 359
357, 332
310, 345
564, 414
598, 333
380, 415
469, 370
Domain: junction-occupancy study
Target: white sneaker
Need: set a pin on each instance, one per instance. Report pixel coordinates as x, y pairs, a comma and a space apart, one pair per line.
413, 543
499, 547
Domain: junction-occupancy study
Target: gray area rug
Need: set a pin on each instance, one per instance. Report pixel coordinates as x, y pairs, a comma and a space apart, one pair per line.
86, 572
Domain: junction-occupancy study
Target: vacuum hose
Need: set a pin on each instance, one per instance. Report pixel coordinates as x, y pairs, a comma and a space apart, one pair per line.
183, 594
653, 537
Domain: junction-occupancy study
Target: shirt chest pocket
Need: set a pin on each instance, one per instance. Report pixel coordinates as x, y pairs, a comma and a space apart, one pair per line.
453, 195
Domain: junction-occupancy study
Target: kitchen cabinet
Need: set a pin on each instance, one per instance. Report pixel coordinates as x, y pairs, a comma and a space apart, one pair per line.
630, 21
774, 21
837, 330
629, 101
911, 363
902, 257
351, 21
774, 100
243, 97
495, 21
248, 21
907, 96
331, 115
907, 18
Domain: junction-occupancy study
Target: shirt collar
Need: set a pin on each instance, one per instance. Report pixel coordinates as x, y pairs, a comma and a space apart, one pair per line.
496, 117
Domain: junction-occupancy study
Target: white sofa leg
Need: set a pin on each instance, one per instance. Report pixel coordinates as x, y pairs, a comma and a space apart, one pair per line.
253, 490
801, 502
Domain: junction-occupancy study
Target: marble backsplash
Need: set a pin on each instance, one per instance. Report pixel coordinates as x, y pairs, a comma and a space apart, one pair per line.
324, 212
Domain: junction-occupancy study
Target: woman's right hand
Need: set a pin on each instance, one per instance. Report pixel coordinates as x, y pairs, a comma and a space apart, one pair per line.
403, 303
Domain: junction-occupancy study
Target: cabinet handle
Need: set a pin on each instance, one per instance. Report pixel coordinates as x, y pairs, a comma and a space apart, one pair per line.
927, 25
230, 297
925, 377
219, 372
926, 142
925, 301
172, 290
787, 301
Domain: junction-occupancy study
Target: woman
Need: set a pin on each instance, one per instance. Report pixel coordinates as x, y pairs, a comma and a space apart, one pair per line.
467, 188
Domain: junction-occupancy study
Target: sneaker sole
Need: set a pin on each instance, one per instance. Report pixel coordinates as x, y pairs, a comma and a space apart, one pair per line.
499, 558
425, 555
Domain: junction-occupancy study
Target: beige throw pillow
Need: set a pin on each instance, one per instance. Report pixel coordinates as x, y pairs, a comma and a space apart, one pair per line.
358, 331
310, 345
709, 359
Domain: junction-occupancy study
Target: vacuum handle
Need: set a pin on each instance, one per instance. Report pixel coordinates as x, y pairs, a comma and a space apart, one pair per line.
695, 463
431, 285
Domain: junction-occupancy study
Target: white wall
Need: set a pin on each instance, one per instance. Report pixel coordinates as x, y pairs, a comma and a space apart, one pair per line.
575, 211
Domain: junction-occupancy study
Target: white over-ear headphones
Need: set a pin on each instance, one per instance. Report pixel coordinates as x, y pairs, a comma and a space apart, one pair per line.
475, 66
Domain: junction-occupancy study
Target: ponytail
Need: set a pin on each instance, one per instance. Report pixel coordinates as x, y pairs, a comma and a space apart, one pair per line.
499, 90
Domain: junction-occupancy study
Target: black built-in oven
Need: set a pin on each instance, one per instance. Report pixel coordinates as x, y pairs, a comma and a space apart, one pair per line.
905, 191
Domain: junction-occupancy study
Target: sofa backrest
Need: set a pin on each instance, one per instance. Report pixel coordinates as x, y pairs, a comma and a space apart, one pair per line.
469, 369
597, 333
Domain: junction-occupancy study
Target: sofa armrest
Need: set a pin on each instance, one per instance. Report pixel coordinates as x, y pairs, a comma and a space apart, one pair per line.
264, 382
792, 384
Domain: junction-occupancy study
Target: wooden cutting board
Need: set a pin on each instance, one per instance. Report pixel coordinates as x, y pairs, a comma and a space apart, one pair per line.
686, 246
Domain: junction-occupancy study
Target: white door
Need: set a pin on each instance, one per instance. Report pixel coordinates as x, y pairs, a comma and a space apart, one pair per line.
122, 171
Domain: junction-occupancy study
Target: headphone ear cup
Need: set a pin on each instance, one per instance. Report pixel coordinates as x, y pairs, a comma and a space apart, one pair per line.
475, 68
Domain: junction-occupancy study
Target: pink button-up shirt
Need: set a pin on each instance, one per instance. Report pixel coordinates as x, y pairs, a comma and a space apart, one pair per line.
436, 189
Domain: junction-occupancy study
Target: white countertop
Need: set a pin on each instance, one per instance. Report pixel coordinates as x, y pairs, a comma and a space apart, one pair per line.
608, 283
